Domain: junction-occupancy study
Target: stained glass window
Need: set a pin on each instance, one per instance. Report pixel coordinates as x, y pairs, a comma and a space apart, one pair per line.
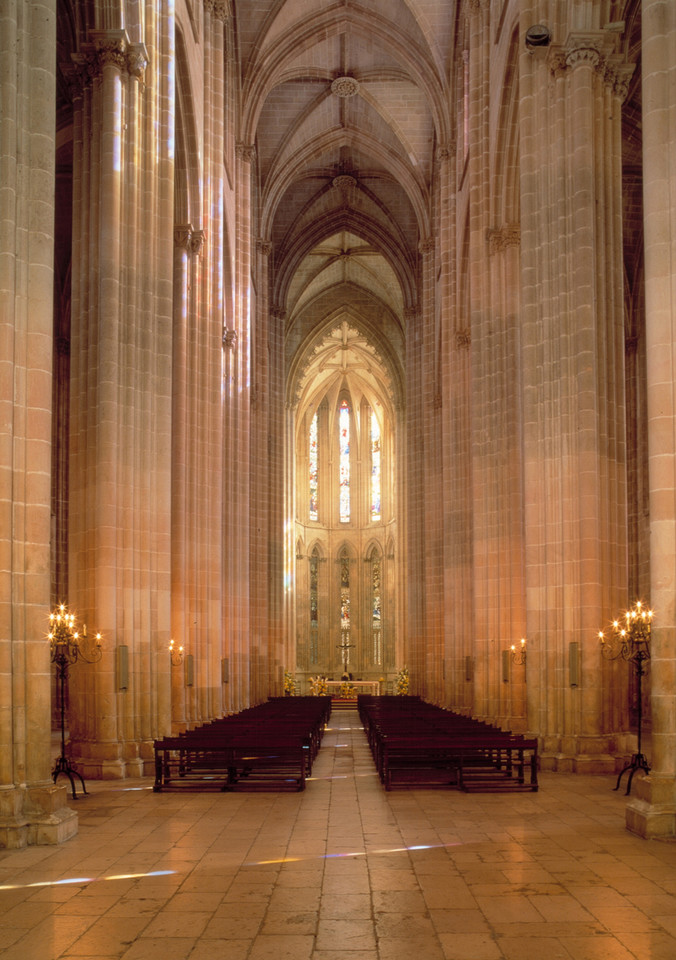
344, 461
345, 607
375, 467
314, 469
376, 622
314, 618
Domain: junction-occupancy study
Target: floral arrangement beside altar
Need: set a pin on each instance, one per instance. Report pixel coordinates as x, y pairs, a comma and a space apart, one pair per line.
402, 682
319, 686
289, 684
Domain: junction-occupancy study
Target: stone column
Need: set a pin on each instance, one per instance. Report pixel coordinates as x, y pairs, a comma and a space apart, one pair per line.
485, 402
431, 478
412, 652
187, 245
652, 810
32, 809
262, 481
237, 455
573, 376
120, 451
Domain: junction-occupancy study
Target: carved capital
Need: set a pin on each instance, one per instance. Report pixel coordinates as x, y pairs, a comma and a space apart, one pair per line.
230, 338
588, 49
197, 241
463, 339
427, 246
219, 9
110, 47
556, 61
75, 78
137, 60
617, 75
183, 236
264, 247
246, 152
106, 47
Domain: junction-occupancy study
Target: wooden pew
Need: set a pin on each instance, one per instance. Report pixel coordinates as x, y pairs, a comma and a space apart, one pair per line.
417, 744
271, 746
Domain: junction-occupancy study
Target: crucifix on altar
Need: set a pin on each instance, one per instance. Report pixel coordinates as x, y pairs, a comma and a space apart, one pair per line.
345, 646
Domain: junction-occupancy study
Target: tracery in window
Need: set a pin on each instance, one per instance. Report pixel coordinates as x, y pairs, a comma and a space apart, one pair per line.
344, 461
375, 467
376, 618
313, 459
345, 607
314, 607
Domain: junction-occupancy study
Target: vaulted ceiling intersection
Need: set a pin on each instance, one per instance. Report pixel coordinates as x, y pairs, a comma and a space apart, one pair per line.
345, 103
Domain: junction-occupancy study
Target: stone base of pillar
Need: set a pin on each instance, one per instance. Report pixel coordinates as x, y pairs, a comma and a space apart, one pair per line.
35, 816
115, 769
584, 755
593, 764
93, 769
651, 812
113, 760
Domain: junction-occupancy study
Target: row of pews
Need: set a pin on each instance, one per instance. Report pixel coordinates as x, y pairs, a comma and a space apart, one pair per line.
270, 746
415, 743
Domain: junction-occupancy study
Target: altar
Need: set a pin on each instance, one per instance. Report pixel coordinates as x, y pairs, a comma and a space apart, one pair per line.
359, 686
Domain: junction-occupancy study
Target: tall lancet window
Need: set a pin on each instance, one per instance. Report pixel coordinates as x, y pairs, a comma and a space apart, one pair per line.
314, 470
314, 607
375, 467
345, 607
344, 461
376, 610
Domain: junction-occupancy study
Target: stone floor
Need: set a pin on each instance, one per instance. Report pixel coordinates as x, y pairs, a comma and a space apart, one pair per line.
344, 871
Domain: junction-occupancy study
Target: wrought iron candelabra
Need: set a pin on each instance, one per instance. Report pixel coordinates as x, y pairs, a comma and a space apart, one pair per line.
630, 641
67, 646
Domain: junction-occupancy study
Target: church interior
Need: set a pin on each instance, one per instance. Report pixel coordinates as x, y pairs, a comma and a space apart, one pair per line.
337, 349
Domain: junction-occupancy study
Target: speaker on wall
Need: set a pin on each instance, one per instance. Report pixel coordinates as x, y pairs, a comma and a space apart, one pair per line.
122, 667
573, 664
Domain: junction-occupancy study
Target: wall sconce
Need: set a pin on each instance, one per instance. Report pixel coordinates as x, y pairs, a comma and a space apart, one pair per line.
175, 654
519, 655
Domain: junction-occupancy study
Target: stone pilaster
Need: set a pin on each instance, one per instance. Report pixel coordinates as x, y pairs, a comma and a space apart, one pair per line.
652, 810
32, 809
415, 657
573, 376
120, 400
431, 487
237, 455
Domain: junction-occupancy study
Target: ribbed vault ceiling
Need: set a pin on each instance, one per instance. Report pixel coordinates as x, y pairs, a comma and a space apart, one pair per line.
345, 102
